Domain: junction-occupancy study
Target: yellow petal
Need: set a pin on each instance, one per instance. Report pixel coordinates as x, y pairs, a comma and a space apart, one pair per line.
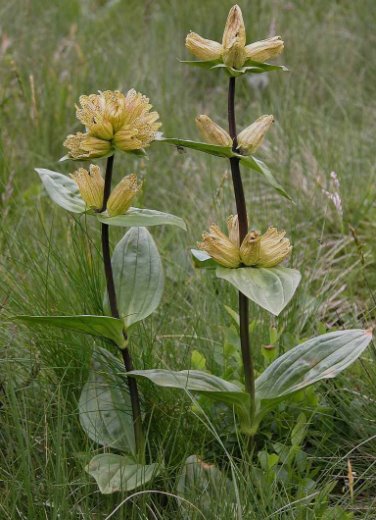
250, 249
234, 39
91, 186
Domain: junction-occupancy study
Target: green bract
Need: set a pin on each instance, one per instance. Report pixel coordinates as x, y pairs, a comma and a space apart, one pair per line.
249, 67
248, 161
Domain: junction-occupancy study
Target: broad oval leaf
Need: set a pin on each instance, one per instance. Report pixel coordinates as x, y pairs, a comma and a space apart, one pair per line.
142, 217
104, 405
271, 288
62, 190
319, 358
138, 275
120, 473
196, 381
103, 326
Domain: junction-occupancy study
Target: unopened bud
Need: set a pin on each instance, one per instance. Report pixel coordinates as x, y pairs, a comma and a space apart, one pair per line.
211, 132
252, 137
91, 186
234, 39
264, 49
202, 48
122, 195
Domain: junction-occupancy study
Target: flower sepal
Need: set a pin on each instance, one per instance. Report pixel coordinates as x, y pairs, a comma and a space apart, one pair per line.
249, 67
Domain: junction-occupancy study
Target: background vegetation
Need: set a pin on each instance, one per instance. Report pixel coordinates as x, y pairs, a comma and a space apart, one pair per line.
50, 53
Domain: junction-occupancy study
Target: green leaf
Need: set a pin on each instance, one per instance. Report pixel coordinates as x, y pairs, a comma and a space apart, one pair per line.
322, 357
249, 161
202, 260
202, 64
103, 326
138, 276
203, 486
258, 166
142, 217
196, 381
271, 288
212, 149
120, 473
105, 406
62, 190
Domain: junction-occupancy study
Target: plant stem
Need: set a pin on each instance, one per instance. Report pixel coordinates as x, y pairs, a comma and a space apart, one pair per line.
241, 208
132, 383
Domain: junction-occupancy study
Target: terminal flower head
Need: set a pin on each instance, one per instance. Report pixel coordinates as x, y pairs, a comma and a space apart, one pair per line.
256, 250
233, 51
211, 132
122, 195
113, 120
91, 186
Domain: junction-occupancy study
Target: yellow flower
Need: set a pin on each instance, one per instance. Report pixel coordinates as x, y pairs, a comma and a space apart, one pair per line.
91, 186
264, 49
267, 250
220, 247
234, 39
274, 248
122, 195
86, 146
113, 120
252, 137
233, 51
211, 132
202, 48
250, 248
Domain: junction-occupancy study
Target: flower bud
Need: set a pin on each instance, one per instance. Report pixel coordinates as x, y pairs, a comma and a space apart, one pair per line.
234, 39
264, 49
122, 195
202, 48
85, 146
220, 248
91, 186
274, 248
233, 229
252, 137
211, 132
250, 248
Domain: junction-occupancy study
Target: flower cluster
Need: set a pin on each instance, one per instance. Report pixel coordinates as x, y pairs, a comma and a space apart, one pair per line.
233, 51
249, 139
266, 250
91, 186
113, 121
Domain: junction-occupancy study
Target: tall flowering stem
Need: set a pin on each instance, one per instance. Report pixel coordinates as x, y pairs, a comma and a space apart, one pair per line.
241, 208
127, 359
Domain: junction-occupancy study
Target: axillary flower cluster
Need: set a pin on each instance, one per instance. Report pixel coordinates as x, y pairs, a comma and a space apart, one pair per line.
233, 51
91, 185
113, 120
266, 250
249, 139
